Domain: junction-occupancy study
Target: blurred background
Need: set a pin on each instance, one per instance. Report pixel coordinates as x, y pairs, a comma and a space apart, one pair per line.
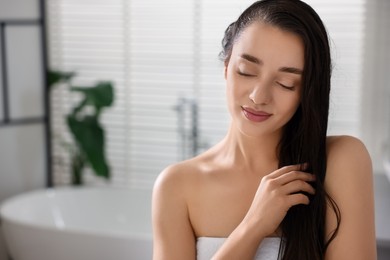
162, 58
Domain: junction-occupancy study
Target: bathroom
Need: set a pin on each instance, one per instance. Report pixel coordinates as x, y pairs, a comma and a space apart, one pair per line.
162, 59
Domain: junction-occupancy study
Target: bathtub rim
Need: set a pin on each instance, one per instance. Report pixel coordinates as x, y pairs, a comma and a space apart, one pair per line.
6, 218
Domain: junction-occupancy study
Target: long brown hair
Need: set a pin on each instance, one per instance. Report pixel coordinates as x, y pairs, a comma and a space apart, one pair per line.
304, 136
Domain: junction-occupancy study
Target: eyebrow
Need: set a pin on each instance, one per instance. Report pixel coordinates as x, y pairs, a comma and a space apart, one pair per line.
255, 60
251, 58
291, 70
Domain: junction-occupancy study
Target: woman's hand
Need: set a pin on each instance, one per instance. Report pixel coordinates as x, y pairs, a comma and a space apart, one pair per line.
277, 193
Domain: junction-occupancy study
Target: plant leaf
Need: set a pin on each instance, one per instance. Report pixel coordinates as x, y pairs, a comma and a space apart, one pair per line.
89, 136
54, 76
101, 95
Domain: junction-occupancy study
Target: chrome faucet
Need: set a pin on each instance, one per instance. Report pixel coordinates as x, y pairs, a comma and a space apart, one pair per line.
188, 126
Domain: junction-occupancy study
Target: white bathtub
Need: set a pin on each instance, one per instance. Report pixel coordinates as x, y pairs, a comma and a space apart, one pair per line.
78, 224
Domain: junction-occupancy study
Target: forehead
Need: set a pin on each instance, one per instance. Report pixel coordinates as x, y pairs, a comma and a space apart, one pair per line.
270, 44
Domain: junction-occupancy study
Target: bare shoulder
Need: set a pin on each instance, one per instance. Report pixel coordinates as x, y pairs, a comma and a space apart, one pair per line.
171, 175
345, 143
184, 176
179, 175
177, 183
349, 182
348, 163
347, 151
172, 230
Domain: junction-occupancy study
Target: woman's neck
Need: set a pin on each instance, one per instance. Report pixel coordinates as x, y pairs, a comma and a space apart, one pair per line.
254, 154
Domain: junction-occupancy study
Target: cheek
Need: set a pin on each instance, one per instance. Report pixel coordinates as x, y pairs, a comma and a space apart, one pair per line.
293, 106
234, 96
289, 103
232, 87
236, 87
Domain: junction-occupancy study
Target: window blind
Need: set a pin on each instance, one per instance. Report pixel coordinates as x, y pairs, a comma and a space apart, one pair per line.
164, 55
161, 58
89, 38
375, 123
345, 24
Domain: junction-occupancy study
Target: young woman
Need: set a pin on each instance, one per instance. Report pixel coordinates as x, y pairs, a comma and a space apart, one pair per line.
276, 187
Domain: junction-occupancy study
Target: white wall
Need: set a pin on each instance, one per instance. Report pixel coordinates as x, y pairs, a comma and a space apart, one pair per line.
375, 123
375, 109
22, 146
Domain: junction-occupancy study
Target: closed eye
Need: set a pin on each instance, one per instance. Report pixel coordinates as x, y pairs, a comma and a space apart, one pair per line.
245, 74
285, 86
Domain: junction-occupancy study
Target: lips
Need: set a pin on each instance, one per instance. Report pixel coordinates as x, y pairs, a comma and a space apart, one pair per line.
255, 115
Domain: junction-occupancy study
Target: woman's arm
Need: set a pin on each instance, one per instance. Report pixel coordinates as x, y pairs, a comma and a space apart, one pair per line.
173, 237
349, 182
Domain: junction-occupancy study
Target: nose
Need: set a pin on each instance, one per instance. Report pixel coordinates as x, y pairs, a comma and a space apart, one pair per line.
261, 94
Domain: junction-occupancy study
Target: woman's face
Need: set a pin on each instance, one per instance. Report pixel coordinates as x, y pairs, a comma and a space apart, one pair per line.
263, 78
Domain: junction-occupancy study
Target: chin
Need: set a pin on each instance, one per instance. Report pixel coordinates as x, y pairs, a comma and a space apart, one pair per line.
249, 130
256, 130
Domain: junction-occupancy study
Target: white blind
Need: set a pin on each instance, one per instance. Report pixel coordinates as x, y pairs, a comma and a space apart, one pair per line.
161, 59
375, 121
157, 52
89, 37
344, 21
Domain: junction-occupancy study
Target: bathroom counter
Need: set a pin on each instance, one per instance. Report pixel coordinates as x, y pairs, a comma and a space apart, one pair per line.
382, 210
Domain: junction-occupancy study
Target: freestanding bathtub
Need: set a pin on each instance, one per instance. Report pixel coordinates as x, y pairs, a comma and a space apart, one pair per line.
78, 224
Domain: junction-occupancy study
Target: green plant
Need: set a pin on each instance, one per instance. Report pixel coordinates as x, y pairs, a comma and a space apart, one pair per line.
84, 124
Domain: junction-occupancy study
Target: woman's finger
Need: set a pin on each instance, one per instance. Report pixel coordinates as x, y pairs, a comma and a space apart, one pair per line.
295, 175
296, 199
297, 186
281, 171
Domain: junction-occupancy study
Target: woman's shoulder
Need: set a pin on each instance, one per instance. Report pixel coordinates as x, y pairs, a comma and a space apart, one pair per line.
185, 174
345, 148
347, 158
175, 175
349, 183
348, 140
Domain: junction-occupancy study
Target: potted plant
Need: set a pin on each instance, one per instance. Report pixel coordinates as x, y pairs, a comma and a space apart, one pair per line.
83, 121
